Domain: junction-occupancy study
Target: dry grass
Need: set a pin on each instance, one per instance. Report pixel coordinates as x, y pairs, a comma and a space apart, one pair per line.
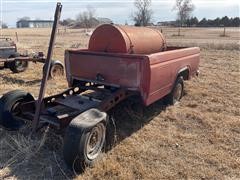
197, 139
204, 38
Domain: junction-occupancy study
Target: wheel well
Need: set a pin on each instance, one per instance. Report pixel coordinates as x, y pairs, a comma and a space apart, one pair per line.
184, 74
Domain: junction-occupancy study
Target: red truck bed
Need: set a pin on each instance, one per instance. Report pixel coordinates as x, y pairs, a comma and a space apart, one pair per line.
152, 75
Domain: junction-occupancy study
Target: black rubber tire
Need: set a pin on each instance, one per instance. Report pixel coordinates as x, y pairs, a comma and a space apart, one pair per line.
17, 66
110, 140
6, 65
74, 147
60, 68
7, 102
169, 99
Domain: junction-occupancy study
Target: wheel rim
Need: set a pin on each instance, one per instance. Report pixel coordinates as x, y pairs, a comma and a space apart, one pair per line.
16, 108
20, 65
95, 141
178, 92
56, 70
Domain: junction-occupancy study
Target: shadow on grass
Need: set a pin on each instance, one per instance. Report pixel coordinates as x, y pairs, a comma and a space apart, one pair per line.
128, 117
40, 156
7, 79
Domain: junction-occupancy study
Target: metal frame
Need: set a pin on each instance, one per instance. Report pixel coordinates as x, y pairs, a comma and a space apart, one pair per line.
25, 58
58, 110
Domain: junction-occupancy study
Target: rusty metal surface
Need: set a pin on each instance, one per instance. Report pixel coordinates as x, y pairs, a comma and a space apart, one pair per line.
47, 66
78, 102
58, 110
114, 99
152, 75
25, 58
164, 68
118, 70
70, 91
126, 39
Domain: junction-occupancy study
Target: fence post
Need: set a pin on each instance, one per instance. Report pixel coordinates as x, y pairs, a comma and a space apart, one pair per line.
16, 36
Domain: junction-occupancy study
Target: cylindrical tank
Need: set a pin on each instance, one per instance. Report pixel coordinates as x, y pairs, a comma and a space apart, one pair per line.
126, 39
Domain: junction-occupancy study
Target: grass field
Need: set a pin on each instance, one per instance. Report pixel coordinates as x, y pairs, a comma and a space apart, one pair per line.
196, 139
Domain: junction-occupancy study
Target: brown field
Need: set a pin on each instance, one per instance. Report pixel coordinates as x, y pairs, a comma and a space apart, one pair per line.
196, 139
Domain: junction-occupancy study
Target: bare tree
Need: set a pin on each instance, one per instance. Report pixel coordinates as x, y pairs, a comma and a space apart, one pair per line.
143, 14
67, 22
87, 18
3, 25
184, 9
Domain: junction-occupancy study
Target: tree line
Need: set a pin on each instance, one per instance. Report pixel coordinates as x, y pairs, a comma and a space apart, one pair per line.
184, 9
143, 16
218, 22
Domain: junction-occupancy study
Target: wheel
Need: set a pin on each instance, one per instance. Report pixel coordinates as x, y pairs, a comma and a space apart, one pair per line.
6, 65
56, 69
176, 93
18, 66
83, 146
9, 108
111, 133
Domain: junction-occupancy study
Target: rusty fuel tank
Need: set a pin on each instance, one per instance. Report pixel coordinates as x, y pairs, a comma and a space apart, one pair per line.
126, 39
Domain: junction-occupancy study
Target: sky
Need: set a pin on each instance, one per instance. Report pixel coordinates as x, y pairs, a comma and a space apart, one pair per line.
118, 10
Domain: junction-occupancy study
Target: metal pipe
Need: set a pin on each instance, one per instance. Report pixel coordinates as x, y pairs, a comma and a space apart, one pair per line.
47, 67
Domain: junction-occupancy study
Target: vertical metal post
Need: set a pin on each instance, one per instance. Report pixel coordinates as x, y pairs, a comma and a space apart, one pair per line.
47, 67
16, 36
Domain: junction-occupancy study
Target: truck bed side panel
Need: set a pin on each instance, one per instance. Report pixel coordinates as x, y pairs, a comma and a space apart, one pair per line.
164, 70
